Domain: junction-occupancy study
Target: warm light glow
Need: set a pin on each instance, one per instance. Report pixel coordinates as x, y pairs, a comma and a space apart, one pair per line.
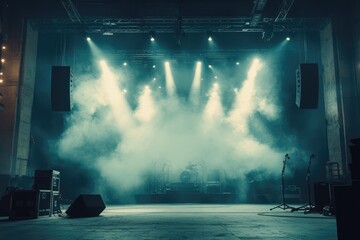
2, 60
102, 62
1, 80
3, 47
1, 73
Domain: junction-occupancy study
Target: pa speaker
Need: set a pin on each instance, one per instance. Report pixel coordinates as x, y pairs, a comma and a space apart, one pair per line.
86, 205
60, 88
307, 85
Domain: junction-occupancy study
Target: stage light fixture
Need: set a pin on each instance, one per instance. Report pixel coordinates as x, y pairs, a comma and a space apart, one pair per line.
210, 66
3, 60
152, 36
108, 34
268, 33
3, 47
88, 39
237, 63
154, 66
1, 73
288, 38
1, 80
209, 36
125, 63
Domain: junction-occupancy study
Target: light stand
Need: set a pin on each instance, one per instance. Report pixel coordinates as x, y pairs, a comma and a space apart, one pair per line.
308, 208
283, 205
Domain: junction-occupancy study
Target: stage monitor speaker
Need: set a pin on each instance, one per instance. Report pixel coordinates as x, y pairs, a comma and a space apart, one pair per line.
60, 88
307, 86
86, 205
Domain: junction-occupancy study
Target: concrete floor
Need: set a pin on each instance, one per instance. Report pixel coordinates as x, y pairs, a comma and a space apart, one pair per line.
176, 221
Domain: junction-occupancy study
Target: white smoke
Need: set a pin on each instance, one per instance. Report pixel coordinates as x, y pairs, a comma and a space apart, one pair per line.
125, 144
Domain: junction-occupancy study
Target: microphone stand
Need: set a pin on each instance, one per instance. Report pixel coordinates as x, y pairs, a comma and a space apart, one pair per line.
309, 207
283, 205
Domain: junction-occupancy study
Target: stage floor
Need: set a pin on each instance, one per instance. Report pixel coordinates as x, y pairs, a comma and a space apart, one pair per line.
176, 221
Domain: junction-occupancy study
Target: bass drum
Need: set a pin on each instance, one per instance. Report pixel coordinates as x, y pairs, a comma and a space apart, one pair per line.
185, 176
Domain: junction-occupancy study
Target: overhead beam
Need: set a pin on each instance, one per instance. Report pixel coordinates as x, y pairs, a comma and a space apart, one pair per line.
284, 10
257, 10
71, 11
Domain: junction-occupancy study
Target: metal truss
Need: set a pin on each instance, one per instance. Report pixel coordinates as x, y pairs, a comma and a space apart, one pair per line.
171, 24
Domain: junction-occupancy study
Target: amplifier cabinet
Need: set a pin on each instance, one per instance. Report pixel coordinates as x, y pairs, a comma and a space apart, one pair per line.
23, 204
47, 180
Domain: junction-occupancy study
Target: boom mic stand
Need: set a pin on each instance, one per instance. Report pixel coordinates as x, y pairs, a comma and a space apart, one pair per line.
283, 205
308, 208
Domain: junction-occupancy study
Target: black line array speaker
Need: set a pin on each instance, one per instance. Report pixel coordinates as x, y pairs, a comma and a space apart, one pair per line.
60, 88
307, 85
86, 205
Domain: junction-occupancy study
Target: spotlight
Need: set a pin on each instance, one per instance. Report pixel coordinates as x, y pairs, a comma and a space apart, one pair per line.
1, 73
1, 80
125, 63
88, 39
288, 38
210, 66
152, 36
209, 35
237, 63
154, 79
3, 47
2, 60
125, 90
154, 66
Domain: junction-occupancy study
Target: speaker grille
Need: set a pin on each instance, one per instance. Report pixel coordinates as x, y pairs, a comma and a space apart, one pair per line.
307, 86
